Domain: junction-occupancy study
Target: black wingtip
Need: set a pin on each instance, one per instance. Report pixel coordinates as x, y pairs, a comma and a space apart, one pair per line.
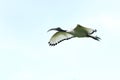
53, 44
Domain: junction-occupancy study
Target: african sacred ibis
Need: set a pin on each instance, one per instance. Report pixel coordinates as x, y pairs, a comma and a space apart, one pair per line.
79, 31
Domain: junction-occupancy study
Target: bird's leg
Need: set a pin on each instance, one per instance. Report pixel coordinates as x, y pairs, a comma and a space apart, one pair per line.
97, 38
94, 37
93, 31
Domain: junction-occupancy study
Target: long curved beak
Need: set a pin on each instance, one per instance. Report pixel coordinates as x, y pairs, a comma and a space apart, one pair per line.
51, 29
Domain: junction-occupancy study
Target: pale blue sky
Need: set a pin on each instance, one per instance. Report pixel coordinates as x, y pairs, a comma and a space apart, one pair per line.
26, 55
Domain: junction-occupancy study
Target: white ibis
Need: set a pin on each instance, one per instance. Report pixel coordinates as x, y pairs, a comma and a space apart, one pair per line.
79, 31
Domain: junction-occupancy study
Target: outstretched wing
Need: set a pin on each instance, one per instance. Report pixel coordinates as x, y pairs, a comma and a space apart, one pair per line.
59, 37
82, 29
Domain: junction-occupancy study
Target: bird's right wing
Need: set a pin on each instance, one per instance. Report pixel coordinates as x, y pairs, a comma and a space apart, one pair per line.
59, 37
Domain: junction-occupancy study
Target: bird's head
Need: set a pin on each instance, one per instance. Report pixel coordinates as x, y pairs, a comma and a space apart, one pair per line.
57, 29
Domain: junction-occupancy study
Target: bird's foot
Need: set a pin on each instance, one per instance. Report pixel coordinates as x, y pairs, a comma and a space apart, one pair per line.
97, 38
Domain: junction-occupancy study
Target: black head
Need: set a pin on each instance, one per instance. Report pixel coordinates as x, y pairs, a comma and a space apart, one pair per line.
58, 29
61, 30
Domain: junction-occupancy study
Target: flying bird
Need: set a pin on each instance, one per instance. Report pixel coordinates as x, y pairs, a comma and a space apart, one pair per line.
79, 31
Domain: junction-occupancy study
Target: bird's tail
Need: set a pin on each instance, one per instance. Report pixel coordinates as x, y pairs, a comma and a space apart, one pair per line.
95, 37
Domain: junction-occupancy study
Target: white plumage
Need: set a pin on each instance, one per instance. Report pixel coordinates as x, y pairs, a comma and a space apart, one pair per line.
78, 31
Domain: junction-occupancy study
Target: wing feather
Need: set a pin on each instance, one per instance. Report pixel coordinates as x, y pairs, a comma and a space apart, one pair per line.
59, 37
80, 28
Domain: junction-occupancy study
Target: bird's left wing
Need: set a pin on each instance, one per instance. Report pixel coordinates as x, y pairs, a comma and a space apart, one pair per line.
59, 37
80, 28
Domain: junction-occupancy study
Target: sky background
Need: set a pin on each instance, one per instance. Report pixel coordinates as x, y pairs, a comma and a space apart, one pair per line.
26, 55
